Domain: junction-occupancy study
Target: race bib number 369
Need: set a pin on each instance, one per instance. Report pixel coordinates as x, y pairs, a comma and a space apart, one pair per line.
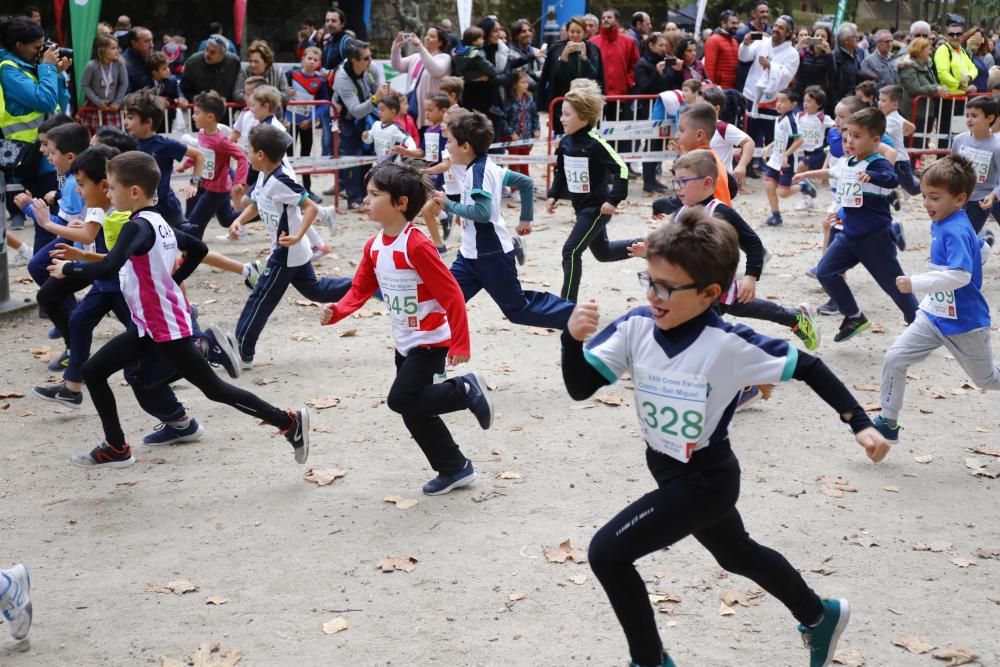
671, 410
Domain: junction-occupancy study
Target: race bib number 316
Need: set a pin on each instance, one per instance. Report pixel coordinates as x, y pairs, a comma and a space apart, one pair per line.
671, 409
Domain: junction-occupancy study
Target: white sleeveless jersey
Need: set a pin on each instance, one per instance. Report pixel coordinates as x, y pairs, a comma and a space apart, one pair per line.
417, 317
159, 308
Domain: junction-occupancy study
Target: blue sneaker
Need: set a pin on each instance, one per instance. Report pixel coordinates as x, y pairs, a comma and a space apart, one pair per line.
667, 662
898, 235
822, 639
480, 402
748, 396
519, 250
54, 334
442, 484
774, 220
808, 188
812, 273
219, 350
60, 364
889, 433
15, 600
165, 434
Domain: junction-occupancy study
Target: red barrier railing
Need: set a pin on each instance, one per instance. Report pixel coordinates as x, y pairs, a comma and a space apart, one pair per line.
935, 128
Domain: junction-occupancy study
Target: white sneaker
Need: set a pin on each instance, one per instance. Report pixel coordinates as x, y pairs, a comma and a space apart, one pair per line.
229, 239
805, 203
251, 274
328, 216
22, 255
16, 600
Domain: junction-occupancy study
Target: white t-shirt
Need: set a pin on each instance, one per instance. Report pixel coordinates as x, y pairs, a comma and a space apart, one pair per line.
244, 123
812, 129
485, 177
725, 144
785, 132
894, 128
279, 199
386, 137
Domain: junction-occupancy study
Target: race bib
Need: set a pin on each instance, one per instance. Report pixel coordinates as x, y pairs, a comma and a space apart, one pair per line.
940, 304
849, 190
577, 173
382, 147
812, 138
432, 142
671, 409
980, 160
208, 172
400, 295
269, 214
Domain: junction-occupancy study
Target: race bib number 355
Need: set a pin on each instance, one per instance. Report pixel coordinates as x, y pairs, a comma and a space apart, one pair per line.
671, 410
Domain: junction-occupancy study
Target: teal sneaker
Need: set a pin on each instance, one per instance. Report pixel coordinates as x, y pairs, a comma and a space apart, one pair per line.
667, 662
822, 639
889, 433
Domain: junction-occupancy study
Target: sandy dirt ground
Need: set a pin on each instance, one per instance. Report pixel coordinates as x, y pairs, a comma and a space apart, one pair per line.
913, 543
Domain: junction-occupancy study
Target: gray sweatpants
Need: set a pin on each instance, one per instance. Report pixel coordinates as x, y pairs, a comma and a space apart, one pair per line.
972, 350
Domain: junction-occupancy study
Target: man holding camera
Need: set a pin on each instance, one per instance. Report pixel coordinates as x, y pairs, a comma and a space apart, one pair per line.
773, 64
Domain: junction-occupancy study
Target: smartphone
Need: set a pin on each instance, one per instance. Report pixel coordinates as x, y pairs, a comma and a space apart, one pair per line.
814, 41
754, 36
670, 60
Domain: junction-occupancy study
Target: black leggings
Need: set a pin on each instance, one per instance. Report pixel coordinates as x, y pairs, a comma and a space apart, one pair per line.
52, 297
590, 231
691, 500
420, 400
128, 348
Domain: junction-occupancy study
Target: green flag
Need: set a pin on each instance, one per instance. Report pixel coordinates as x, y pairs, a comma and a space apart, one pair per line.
837, 19
83, 18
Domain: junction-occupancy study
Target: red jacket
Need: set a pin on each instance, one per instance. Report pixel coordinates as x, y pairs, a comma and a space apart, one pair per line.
722, 59
619, 55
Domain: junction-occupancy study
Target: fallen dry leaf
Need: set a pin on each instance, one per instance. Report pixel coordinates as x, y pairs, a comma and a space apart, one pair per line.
731, 597
514, 597
205, 656
927, 458
609, 399
867, 387
42, 351
863, 540
892, 488
217, 600
936, 547
401, 502
913, 644
988, 552
177, 586
564, 552
300, 336
726, 611
849, 658
578, 579
956, 655
509, 474
348, 333
961, 562
323, 477
335, 625
324, 403
403, 563
11, 394
984, 450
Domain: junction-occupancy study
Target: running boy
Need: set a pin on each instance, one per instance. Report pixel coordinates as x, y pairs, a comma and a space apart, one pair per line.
389, 138
216, 185
897, 127
145, 253
486, 259
728, 138
780, 155
688, 366
694, 181
590, 173
954, 313
429, 323
812, 124
864, 181
143, 114
982, 148
286, 209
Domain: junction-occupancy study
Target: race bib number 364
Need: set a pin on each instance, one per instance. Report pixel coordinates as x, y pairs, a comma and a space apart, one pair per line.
671, 409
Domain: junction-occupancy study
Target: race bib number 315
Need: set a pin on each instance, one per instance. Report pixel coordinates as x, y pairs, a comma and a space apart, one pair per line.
671, 409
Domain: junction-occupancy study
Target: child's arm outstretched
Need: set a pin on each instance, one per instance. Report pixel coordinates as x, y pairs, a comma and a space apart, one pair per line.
815, 173
363, 286
580, 377
525, 186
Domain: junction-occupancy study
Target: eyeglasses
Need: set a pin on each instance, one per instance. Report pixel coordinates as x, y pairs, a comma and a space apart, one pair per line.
664, 292
681, 183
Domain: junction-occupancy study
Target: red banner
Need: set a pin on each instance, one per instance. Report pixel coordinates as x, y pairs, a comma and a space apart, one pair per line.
239, 20
58, 5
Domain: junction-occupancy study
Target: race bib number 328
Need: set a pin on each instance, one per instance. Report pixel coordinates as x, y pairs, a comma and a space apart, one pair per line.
671, 410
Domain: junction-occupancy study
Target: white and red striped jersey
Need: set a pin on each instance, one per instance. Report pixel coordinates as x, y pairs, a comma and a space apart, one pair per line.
424, 301
159, 307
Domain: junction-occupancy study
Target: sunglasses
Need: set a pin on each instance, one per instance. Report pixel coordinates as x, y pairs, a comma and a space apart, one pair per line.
954, 34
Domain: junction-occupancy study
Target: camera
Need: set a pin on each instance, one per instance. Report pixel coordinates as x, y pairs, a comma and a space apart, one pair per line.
754, 36
63, 52
670, 60
814, 41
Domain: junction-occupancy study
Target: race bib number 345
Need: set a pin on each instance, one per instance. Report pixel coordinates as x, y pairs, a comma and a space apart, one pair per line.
671, 409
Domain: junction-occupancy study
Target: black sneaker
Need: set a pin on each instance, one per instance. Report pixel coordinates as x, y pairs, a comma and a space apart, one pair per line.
104, 456
298, 433
58, 393
60, 364
851, 327
893, 198
898, 235
219, 351
987, 235
479, 399
829, 308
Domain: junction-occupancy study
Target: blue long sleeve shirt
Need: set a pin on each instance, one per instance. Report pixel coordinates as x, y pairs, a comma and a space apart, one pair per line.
874, 214
23, 95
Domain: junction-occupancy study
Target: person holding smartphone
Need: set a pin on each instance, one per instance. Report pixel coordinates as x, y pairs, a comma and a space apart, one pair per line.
572, 58
815, 61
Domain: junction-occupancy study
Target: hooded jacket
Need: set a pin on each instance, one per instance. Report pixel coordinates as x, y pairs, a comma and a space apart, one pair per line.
619, 56
722, 59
